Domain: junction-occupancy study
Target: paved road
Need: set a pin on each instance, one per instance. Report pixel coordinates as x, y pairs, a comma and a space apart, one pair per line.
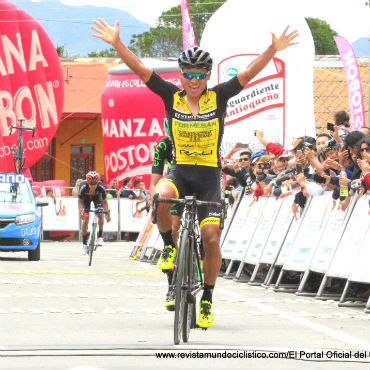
59, 313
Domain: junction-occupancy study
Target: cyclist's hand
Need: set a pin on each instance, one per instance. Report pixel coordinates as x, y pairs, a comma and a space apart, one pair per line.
106, 32
81, 213
108, 218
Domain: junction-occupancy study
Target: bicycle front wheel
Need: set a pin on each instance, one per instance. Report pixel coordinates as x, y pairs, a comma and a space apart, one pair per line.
92, 243
181, 285
190, 312
18, 157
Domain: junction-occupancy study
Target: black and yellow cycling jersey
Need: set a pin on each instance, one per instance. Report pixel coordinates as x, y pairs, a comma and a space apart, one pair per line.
196, 140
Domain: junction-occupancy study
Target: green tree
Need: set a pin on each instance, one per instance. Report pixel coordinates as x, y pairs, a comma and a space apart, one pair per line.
107, 53
165, 40
322, 36
60, 51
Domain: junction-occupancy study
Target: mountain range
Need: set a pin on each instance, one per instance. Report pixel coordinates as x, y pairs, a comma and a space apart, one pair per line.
69, 26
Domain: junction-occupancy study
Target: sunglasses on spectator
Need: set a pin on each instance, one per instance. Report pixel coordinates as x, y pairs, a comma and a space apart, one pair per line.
197, 75
365, 150
244, 159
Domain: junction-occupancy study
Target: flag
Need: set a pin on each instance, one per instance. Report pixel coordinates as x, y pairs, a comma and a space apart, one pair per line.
188, 37
356, 102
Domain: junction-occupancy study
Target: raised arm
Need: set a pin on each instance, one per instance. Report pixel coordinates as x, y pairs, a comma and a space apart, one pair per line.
259, 63
111, 36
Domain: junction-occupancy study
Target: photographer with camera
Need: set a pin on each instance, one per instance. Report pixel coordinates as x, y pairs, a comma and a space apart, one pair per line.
240, 169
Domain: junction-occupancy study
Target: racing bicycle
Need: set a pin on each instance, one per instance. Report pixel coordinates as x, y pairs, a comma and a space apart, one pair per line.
188, 281
92, 245
19, 159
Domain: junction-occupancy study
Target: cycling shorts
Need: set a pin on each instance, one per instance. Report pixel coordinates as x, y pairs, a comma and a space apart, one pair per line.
202, 181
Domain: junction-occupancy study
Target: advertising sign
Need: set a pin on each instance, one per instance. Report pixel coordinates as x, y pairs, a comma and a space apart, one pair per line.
31, 85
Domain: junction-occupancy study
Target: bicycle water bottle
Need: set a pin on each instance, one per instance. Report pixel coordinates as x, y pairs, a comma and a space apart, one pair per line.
343, 189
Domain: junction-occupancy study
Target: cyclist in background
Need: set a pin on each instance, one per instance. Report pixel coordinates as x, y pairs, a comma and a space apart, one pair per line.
196, 122
92, 190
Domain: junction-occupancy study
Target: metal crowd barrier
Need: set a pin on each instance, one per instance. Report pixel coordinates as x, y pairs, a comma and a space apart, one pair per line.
324, 242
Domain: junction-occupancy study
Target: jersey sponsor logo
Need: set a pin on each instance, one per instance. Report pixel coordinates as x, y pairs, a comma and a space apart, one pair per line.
189, 154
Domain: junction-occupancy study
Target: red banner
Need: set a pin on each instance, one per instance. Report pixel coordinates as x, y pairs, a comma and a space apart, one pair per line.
31, 85
132, 124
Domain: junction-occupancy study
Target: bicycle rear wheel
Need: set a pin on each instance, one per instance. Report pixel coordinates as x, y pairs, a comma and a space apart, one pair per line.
180, 285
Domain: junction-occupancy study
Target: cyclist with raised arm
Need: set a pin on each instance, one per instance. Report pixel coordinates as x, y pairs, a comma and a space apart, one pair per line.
196, 123
92, 190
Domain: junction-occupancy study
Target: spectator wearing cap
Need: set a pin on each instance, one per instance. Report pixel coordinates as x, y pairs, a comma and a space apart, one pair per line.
126, 191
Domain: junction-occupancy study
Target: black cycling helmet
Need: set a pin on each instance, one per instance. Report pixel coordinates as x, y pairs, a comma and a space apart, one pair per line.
92, 177
195, 58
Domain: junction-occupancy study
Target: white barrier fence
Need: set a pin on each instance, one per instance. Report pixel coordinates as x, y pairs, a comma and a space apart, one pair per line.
325, 240
127, 215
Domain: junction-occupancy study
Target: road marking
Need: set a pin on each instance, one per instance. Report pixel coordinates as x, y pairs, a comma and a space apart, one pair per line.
343, 337
29, 272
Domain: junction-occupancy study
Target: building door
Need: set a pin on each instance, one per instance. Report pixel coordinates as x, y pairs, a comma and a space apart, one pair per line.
82, 161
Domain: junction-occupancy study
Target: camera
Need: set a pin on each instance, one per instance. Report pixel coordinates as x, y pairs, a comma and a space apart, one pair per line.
356, 185
330, 126
264, 166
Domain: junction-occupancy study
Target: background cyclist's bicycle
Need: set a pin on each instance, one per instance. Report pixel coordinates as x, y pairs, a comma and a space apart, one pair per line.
19, 159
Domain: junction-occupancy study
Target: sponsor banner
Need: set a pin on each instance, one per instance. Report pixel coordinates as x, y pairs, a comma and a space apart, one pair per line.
188, 37
309, 233
12, 178
132, 124
245, 233
360, 270
343, 261
330, 238
31, 85
63, 215
356, 102
229, 246
132, 218
278, 232
279, 100
265, 225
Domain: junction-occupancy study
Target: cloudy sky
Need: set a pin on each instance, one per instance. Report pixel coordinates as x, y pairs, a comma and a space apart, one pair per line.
350, 18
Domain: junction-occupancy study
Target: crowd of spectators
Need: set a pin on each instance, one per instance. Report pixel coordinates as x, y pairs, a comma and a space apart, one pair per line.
337, 160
